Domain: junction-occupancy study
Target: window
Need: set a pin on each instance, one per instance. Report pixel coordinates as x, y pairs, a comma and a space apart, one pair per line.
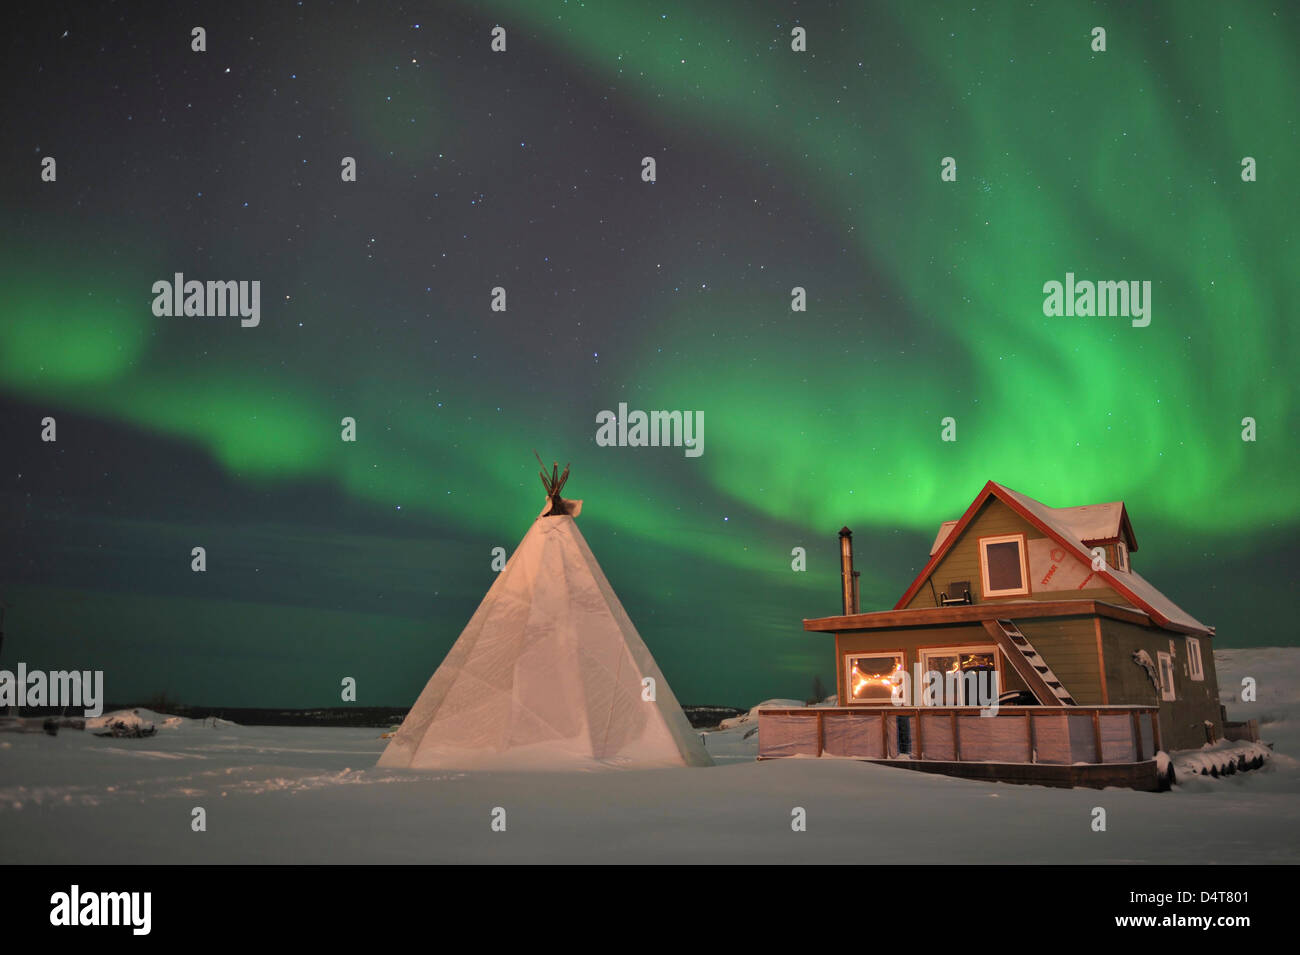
1166, 677
1121, 556
1194, 668
1002, 565
871, 676
969, 677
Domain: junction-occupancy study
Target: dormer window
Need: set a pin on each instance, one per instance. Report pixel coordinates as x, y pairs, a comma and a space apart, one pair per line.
1121, 556
1003, 567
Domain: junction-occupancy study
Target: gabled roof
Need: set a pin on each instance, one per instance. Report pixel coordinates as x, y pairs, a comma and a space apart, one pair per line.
1066, 525
1090, 523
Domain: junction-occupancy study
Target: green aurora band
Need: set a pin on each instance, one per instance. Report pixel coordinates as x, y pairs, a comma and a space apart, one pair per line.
1122, 165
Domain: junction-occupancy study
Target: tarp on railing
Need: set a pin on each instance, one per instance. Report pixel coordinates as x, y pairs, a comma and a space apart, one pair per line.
787, 734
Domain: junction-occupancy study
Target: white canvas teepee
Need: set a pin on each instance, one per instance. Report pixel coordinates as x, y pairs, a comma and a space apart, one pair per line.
547, 674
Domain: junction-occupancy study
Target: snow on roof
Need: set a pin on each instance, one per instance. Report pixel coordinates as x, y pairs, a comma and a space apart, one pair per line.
1094, 522
1146, 592
944, 530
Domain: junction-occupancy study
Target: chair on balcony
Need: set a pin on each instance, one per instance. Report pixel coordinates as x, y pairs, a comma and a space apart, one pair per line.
958, 592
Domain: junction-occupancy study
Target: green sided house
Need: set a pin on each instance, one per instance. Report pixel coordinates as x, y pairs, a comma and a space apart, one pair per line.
1097, 669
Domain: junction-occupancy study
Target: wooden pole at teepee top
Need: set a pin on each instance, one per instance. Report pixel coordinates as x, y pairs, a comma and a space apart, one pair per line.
553, 484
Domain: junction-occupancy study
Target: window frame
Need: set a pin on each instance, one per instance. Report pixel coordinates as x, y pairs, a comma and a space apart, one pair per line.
924, 653
1121, 556
1195, 664
982, 545
1165, 664
901, 663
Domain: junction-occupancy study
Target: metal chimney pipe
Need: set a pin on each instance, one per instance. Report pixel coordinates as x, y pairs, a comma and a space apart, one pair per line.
848, 577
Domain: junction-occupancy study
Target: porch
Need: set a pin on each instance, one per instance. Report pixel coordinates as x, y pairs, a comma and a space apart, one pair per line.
1048, 745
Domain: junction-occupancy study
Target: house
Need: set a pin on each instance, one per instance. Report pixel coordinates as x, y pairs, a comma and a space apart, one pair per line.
1043, 606
1011, 564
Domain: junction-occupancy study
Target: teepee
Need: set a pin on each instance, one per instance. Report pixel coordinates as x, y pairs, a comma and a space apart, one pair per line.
549, 672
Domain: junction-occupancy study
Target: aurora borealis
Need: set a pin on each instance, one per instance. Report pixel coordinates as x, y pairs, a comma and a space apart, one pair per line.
521, 170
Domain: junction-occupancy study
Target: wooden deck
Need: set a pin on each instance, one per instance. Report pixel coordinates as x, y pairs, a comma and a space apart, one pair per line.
1094, 746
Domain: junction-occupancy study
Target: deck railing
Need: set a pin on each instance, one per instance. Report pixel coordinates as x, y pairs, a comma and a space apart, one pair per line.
1063, 735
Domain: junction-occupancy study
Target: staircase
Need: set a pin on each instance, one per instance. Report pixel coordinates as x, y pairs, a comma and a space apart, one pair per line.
1032, 668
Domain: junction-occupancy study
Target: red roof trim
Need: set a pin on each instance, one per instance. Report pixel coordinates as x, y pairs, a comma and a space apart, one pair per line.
953, 534
993, 489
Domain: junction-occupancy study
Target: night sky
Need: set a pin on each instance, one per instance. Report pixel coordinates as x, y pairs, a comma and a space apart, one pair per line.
522, 169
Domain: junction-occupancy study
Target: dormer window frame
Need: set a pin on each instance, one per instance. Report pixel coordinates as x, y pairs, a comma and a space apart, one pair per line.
1121, 556
1116, 552
987, 590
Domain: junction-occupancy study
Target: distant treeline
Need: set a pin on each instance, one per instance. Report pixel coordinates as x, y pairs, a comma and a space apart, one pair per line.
700, 717
384, 716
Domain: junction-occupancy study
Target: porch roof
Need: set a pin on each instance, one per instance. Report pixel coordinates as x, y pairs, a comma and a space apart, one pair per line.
976, 613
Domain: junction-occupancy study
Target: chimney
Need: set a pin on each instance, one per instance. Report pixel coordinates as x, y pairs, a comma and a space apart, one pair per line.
848, 576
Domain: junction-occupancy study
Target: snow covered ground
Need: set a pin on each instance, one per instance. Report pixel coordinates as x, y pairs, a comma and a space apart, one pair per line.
283, 794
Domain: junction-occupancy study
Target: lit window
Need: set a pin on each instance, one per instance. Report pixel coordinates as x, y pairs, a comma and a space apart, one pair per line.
1194, 668
1002, 565
1166, 677
967, 673
871, 676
